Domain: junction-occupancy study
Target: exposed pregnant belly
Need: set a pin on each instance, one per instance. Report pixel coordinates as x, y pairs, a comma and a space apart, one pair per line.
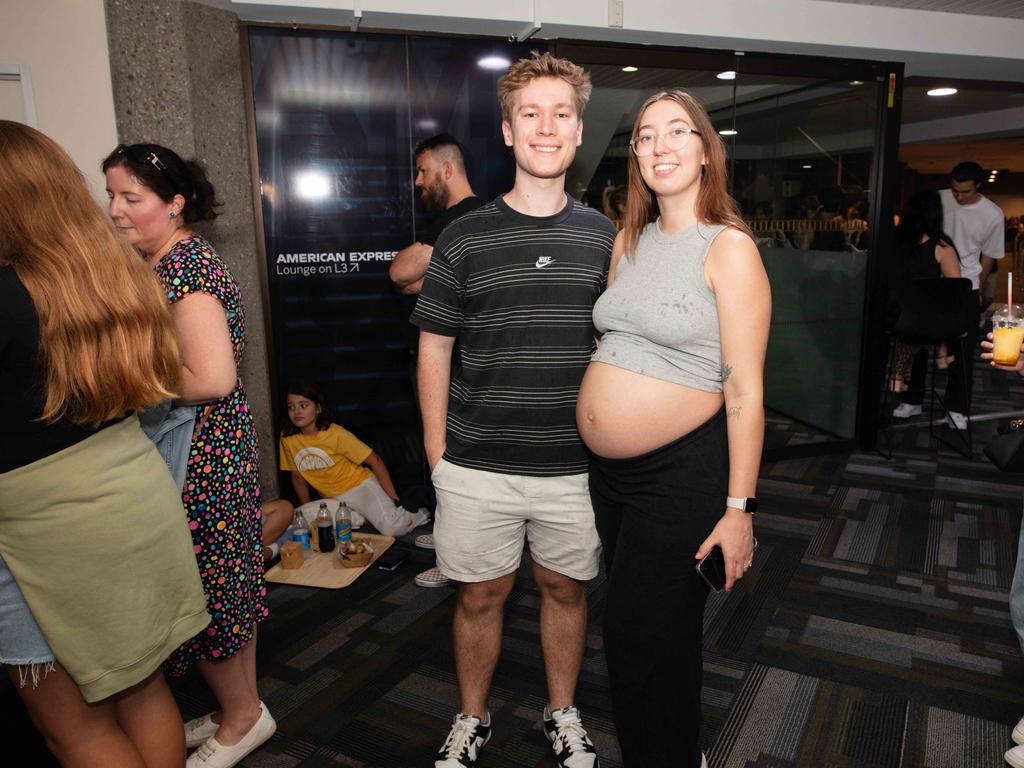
621, 413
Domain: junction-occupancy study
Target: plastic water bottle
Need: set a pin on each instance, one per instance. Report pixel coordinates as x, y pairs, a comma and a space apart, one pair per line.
299, 531
324, 532
343, 524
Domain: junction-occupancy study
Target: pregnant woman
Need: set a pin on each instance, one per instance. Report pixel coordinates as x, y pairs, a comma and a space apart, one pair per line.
671, 409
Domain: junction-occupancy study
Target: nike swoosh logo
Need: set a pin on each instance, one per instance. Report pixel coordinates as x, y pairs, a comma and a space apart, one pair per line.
543, 261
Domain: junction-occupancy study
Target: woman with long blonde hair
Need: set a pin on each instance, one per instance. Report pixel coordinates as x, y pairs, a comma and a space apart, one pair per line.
671, 408
97, 578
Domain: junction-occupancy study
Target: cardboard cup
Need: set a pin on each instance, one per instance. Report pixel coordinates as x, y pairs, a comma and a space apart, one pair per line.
292, 555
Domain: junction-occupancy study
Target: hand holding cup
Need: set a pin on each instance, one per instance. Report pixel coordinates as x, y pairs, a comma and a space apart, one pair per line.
1017, 367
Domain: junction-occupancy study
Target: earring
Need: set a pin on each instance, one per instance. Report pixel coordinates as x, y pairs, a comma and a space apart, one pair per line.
173, 214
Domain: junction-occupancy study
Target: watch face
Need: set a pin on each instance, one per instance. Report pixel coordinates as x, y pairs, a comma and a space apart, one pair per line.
751, 505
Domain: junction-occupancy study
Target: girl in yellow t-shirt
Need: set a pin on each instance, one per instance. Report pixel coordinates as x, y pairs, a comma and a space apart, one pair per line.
339, 465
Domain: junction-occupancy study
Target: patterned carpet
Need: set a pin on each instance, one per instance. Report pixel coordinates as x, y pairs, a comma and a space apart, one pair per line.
872, 632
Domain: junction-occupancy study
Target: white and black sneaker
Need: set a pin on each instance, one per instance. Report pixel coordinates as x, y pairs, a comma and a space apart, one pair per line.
465, 740
573, 748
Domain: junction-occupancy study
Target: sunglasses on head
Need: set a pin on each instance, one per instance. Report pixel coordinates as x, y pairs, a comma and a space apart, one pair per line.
139, 154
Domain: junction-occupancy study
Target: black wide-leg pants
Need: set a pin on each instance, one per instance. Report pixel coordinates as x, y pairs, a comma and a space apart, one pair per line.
653, 512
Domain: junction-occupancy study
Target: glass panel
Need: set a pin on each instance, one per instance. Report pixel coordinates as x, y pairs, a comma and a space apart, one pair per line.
802, 159
800, 164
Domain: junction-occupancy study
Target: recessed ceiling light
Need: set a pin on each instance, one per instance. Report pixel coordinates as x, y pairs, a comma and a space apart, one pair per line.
994, 171
856, 82
728, 132
494, 62
630, 69
807, 166
942, 91
727, 75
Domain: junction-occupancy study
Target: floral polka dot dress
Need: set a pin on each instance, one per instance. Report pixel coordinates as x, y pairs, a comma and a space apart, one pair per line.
222, 487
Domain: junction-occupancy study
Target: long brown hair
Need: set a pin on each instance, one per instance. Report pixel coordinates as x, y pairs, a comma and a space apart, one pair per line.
714, 204
107, 342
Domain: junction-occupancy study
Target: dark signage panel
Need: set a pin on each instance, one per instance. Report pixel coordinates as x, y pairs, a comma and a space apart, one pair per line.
337, 116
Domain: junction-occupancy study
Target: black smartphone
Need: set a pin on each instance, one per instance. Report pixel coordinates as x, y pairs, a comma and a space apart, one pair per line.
712, 569
389, 561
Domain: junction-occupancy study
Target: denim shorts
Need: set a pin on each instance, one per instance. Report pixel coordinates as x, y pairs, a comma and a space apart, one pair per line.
21, 642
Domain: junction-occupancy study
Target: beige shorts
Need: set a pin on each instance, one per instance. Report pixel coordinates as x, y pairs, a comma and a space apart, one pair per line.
482, 519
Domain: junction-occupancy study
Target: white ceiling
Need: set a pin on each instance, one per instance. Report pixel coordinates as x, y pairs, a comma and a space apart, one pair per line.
1004, 9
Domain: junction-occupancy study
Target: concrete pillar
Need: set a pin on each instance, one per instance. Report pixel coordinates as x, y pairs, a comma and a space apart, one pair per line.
177, 75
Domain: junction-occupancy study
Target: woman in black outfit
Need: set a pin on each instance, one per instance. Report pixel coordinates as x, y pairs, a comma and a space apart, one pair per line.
923, 251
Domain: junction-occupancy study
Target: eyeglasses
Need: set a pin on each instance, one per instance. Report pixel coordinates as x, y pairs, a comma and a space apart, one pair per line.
137, 153
674, 138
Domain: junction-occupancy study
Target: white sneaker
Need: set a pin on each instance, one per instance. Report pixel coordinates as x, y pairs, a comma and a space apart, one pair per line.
432, 578
956, 421
465, 740
199, 730
573, 748
1018, 732
906, 410
416, 519
1015, 757
425, 541
213, 754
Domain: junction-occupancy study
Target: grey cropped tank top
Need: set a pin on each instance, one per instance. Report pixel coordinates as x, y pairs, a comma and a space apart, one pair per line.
659, 317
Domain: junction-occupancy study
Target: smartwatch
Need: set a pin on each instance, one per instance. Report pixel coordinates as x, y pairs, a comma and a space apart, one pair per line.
748, 504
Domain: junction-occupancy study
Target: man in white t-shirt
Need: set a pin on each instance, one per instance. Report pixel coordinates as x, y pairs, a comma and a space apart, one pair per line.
976, 226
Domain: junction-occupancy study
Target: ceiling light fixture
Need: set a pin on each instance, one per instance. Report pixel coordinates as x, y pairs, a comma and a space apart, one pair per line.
806, 166
630, 69
856, 82
728, 132
942, 91
493, 62
727, 75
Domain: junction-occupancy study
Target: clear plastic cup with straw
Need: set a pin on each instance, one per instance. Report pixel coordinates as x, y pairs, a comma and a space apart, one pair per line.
1007, 330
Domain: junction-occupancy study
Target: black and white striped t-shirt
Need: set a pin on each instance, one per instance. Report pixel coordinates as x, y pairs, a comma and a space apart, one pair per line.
518, 292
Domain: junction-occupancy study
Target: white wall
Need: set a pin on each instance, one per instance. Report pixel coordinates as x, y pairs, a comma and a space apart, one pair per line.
64, 44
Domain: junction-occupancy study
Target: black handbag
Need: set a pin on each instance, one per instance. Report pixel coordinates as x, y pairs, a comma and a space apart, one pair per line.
1006, 449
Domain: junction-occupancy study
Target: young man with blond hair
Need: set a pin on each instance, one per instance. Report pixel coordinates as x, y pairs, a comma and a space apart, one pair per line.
515, 282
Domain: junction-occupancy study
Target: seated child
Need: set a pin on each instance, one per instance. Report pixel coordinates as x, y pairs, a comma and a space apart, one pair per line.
339, 466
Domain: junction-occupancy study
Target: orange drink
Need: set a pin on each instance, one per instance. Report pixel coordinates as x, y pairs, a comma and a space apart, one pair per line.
1006, 341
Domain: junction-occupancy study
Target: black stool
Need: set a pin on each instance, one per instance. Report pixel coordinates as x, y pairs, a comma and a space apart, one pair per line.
933, 311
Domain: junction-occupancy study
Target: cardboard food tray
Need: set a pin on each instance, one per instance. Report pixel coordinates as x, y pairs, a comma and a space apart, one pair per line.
319, 570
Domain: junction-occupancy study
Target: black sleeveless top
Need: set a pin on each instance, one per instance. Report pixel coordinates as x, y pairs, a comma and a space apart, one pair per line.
920, 261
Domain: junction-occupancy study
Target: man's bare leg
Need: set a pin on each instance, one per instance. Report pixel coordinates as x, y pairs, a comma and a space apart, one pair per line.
476, 634
563, 632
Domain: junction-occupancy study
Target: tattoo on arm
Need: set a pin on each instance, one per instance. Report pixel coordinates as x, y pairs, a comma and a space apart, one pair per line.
733, 410
726, 372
